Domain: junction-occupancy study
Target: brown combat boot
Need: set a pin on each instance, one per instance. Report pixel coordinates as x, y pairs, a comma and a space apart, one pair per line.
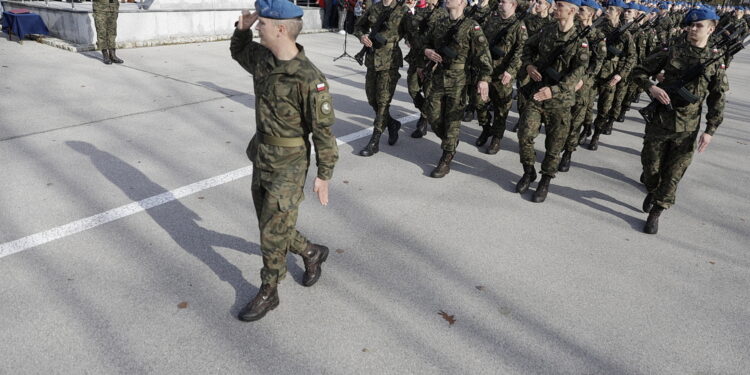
421, 129
494, 146
652, 223
529, 176
373, 146
114, 57
313, 257
542, 189
565, 161
444, 165
266, 300
105, 57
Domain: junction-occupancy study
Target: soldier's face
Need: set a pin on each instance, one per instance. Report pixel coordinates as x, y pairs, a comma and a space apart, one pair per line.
564, 10
613, 13
585, 13
630, 14
700, 31
541, 6
455, 4
507, 7
266, 30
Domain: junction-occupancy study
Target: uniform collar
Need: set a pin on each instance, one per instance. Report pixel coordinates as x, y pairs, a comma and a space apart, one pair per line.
291, 66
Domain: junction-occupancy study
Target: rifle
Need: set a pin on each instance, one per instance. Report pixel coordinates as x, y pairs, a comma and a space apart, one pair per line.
495, 50
377, 39
445, 50
679, 95
550, 76
615, 35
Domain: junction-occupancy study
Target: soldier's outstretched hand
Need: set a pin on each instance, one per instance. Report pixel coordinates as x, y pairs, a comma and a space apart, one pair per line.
703, 142
321, 187
483, 88
659, 94
246, 20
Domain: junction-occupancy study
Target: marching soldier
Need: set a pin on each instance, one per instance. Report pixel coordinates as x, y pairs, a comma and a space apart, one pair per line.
626, 90
105, 21
670, 136
481, 11
383, 61
291, 102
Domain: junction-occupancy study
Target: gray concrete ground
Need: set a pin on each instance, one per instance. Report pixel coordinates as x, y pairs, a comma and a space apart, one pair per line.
570, 286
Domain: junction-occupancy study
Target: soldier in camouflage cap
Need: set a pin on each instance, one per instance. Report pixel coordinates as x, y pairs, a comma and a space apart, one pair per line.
292, 101
670, 136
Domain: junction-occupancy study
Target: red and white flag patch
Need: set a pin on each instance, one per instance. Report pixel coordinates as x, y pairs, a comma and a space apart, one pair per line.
723, 66
320, 87
584, 45
477, 28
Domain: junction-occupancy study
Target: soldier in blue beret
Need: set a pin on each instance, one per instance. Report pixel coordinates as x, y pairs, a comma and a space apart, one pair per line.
292, 101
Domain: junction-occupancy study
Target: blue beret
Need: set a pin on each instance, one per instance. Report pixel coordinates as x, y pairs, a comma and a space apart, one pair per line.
615, 3
574, 2
590, 3
663, 6
696, 15
278, 9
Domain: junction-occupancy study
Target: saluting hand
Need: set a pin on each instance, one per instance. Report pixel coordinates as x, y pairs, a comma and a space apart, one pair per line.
321, 187
246, 20
484, 90
659, 94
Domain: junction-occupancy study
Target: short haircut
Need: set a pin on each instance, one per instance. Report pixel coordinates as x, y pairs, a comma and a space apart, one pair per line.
293, 26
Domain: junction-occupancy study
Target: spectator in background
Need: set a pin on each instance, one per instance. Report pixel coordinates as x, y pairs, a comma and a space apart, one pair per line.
329, 14
341, 6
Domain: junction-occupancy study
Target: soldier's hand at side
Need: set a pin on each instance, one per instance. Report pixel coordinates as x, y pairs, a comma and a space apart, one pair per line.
659, 94
484, 90
321, 187
660, 77
543, 94
533, 73
703, 142
247, 20
432, 55
366, 41
506, 78
579, 84
615, 80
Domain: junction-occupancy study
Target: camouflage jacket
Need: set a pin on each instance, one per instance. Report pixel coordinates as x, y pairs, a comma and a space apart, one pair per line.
571, 64
623, 63
471, 47
710, 87
511, 44
388, 56
640, 39
535, 23
481, 15
598, 54
291, 100
417, 27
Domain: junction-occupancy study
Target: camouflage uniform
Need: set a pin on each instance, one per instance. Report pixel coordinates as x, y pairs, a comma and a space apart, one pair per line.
481, 15
669, 140
105, 21
291, 101
571, 65
418, 25
444, 106
382, 65
628, 90
613, 64
501, 96
534, 24
583, 109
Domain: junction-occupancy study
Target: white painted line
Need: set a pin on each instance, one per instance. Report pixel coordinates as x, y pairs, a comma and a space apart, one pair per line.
25, 243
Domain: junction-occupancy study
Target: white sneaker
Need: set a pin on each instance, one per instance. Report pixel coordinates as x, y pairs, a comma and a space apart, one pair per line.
342, 32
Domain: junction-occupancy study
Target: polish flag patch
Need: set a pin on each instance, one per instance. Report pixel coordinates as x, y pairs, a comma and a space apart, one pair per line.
477, 28
723, 66
320, 87
584, 45
523, 27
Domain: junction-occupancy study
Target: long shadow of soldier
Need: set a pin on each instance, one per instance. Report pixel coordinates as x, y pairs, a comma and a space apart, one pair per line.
177, 220
588, 198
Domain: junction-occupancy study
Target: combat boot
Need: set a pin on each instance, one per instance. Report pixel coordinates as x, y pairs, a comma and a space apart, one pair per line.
585, 133
652, 223
494, 146
105, 57
266, 300
421, 129
565, 162
594, 143
529, 176
313, 257
444, 165
515, 127
607, 128
114, 57
373, 146
468, 114
541, 190
648, 203
393, 127
621, 117
483, 137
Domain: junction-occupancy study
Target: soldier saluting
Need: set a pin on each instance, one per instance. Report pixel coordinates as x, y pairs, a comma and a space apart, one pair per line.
291, 102
670, 135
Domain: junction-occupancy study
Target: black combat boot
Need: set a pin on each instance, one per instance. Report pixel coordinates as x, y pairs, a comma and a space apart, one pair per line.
529, 176
468, 114
565, 161
373, 146
266, 300
393, 127
648, 203
484, 136
105, 57
494, 146
313, 257
621, 117
594, 143
642, 179
421, 129
607, 130
585, 133
114, 57
652, 223
541, 190
515, 127
444, 165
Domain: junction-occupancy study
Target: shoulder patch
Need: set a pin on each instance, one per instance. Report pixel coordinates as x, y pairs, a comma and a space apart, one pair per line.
321, 87
325, 108
477, 28
523, 27
584, 45
723, 66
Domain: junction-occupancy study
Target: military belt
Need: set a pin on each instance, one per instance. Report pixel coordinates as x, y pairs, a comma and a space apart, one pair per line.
280, 141
456, 67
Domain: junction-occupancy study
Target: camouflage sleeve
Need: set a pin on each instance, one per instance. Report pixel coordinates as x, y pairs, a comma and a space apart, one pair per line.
626, 64
652, 65
320, 118
596, 58
246, 51
480, 51
530, 51
717, 88
576, 69
514, 64
362, 26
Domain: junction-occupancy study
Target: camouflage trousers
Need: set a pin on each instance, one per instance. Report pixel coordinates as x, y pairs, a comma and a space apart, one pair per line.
276, 196
379, 87
583, 104
105, 21
666, 156
604, 103
588, 117
444, 109
414, 86
556, 129
621, 97
501, 100
634, 91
